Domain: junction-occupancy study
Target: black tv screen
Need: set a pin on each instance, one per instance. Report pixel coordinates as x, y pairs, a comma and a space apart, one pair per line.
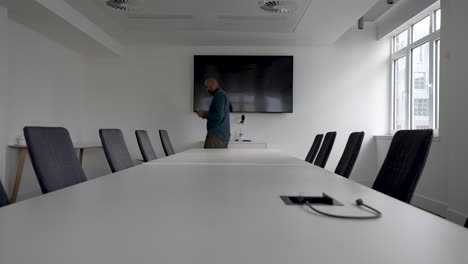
254, 84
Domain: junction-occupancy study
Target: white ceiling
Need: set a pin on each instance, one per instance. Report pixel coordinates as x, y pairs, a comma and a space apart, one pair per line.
224, 22
206, 15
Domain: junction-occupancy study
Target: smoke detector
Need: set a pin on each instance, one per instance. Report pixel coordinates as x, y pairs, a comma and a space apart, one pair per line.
281, 6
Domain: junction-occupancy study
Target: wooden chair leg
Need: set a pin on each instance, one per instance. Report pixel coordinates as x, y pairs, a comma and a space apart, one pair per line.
19, 174
81, 156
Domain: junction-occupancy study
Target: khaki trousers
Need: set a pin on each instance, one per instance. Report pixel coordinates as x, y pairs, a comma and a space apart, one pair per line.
212, 141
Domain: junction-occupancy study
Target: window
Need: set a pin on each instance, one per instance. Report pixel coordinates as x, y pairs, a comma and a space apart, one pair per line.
437, 20
415, 69
400, 93
401, 40
421, 29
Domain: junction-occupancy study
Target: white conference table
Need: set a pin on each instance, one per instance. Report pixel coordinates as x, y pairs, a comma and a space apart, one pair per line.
220, 213
231, 156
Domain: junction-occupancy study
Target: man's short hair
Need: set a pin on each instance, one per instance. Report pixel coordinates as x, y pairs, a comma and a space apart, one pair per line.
212, 80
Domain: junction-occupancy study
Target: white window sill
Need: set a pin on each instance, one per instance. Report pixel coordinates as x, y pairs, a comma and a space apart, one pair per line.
436, 138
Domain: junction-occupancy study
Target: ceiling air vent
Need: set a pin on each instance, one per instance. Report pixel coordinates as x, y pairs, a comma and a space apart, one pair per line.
121, 5
285, 6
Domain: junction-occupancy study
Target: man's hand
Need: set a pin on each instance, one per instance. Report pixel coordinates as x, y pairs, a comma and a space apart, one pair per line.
201, 113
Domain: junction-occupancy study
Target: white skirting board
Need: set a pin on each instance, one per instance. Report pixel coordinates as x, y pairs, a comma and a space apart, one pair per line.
456, 217
439, 208
433, 206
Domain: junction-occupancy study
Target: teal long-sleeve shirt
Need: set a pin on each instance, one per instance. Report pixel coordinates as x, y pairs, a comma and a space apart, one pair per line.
218, 122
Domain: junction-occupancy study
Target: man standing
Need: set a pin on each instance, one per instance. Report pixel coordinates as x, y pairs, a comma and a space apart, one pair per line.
217, 116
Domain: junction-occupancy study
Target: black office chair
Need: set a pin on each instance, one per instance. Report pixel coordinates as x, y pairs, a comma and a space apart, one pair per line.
166, 143
3, 196
145, 145
314, 148
115, 149
404, 163
466, 223
325, 150
53, 158
351, 152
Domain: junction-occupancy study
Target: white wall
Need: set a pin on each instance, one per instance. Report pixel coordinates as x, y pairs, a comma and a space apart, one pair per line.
3, 89
46, 84
453, 100
342, 87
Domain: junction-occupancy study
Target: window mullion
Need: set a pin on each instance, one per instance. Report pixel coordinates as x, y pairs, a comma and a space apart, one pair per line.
409, 93
409, 69
399, 54
431, 83
420, 42
393, 100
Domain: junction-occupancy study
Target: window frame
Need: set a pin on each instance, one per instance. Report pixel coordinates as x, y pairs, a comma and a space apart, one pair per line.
433, 39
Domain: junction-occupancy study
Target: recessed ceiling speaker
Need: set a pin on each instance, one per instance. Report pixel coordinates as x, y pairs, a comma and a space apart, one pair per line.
280, 7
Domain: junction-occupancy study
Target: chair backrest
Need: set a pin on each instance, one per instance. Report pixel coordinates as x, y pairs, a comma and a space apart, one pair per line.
325, 150
3, 196
145, 145
404, 163
314, 148
53, 158
166, 143
115, 149
351, 152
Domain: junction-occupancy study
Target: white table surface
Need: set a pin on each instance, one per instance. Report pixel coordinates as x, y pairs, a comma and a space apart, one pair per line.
176, 213
231, 156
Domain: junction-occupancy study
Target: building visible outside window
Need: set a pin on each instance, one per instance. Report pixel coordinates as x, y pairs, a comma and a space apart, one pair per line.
420, 107
419, 80
415, 70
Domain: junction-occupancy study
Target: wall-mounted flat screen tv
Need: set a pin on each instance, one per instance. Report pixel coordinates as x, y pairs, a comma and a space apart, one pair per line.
254, 84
